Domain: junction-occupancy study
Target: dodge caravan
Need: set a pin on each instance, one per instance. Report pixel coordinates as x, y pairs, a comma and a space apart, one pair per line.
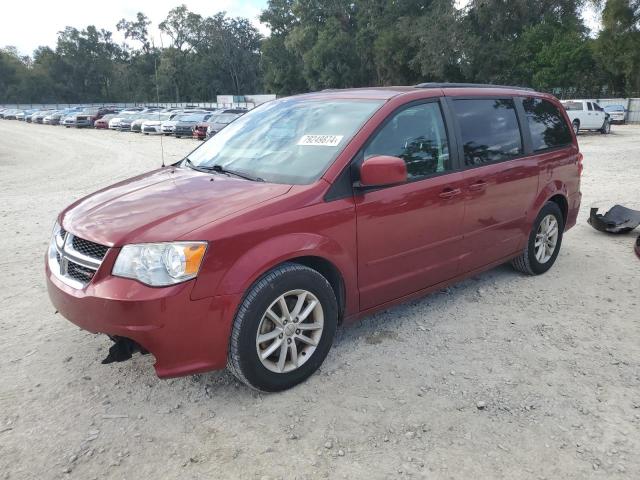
311, 211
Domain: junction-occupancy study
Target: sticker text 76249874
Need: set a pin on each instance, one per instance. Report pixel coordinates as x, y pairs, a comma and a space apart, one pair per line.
320, 140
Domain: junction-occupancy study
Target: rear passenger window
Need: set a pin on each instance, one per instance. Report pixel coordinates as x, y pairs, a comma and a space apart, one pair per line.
589, 106
418, 136
572, 106
490, 131
547, 125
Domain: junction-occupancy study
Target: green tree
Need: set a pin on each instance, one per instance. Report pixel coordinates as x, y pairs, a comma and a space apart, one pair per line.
618, 46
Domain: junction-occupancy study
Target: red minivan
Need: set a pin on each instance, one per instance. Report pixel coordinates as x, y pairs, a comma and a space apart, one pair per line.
311, 211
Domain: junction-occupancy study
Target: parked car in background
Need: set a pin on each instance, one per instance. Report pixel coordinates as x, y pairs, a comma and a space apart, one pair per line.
69, 120
103, 122
25, 115
168, 126
114, 123
136, 125
10, 114
186, 123
52, 117
222, 120
325, 207
587, 115
38, 117
57, 117
86, 117
200, 129
153, 126
127, 120
617, 113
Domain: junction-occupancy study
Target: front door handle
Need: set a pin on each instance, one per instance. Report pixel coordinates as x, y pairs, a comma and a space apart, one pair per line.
449, 192
478, 186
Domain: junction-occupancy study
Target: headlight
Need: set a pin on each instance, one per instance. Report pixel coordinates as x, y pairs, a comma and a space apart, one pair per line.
56, 229
160, 264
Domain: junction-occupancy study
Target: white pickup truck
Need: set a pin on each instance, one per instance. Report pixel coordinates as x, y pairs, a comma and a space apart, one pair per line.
587, 115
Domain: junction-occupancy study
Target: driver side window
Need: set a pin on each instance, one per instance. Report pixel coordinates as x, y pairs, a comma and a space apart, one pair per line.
417, 135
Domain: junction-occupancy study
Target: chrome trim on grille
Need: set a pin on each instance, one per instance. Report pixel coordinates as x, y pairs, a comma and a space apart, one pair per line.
62, 256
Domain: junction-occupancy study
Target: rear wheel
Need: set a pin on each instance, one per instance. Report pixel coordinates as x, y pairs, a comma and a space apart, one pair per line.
576, 126
284, 328
544, 242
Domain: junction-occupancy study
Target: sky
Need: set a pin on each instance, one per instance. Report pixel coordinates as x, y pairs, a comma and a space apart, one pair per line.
30, 25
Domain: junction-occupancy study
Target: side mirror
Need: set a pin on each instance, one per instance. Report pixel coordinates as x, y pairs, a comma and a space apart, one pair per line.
382, 171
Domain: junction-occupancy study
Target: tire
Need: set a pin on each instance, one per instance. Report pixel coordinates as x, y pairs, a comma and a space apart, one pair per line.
576, 126
287, 281
606, 127
527, 262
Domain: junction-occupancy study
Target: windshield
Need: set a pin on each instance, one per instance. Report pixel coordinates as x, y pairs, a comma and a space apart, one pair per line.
614, 108
225, 118
293, 140
193, 117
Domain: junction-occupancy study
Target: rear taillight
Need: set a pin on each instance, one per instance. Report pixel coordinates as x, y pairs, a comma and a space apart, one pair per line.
580, 165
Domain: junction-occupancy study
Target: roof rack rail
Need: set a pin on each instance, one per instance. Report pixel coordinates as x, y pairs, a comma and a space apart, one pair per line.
468, 85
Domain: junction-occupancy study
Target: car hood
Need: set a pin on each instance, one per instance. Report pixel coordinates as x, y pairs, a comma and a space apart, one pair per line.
162, 205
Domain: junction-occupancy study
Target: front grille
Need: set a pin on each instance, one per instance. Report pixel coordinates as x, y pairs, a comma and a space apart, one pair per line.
80, 273
74, 260
90, 249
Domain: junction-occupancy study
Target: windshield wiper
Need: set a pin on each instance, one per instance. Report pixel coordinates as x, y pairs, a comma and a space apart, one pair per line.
221, 169
196, 167
246, 176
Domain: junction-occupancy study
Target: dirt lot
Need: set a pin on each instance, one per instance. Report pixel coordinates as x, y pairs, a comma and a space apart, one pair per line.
503, 376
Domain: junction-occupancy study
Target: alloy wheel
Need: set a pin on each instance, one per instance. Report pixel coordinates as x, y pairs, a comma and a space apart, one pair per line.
289, 331
546, 239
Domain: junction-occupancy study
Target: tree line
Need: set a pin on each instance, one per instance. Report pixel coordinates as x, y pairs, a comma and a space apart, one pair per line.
336, 44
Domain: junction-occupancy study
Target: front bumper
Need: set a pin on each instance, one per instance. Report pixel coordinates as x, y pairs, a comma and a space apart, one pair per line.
183, 132
152, 129
186, 336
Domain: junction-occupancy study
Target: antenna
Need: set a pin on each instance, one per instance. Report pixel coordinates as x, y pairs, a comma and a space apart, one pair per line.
155, 67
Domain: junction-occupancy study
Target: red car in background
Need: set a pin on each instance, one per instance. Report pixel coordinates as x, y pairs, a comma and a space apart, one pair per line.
103, 123
200, 130
312, 211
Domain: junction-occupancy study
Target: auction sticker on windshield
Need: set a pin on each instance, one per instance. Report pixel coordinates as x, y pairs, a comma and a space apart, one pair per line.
321, 140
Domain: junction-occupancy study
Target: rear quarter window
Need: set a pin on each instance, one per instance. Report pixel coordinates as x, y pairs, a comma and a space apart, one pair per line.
572, 106
546, 124
489, 129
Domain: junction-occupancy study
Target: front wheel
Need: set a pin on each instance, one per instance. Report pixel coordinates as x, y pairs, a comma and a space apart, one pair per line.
544, 242
606, 127
284, 328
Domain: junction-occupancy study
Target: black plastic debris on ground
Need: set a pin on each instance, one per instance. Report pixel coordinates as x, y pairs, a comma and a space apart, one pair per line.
617, 220
122, 350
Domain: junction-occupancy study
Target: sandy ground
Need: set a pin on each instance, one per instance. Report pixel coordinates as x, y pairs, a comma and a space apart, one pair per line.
502, 376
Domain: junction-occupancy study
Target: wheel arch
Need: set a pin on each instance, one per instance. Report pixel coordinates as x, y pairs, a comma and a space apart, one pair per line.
562, 202
555, 192
329, 271
322, 254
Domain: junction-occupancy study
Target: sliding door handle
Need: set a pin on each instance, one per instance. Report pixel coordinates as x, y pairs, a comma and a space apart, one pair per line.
449, 192
478, 186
